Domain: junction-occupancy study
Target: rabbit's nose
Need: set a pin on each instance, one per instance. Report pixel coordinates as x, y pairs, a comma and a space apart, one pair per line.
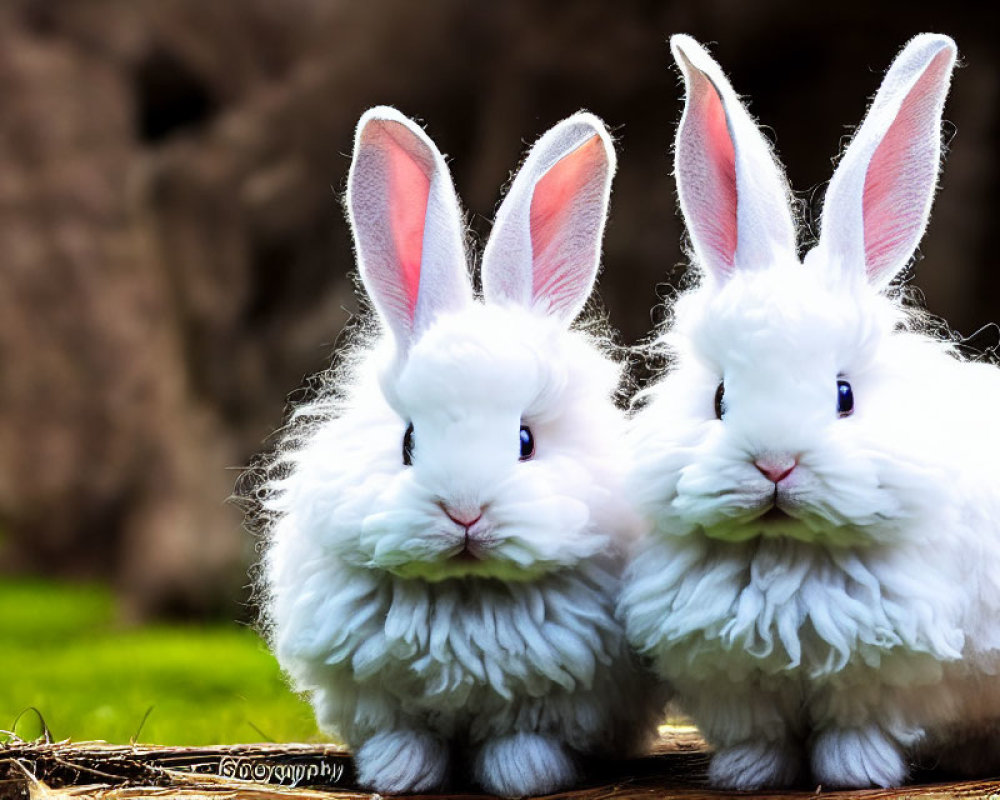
464, 517
775, 467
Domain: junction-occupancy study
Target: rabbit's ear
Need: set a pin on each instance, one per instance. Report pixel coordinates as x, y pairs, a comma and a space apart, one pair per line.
545, 247
407, 225
734, 195
880, 195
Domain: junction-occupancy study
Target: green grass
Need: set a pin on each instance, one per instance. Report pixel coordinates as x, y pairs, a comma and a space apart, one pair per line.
64, 655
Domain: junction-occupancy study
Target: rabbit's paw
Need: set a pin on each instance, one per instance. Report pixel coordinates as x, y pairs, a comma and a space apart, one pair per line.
401, 761
755, 765
524, 764
857, 757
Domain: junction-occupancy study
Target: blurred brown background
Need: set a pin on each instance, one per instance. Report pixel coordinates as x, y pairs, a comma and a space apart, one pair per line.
175, 261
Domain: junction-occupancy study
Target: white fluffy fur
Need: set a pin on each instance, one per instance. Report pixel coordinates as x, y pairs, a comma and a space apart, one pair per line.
862, 630
511, 665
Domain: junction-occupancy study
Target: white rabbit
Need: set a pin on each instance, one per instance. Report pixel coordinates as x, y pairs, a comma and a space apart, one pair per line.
447, 530
822, 477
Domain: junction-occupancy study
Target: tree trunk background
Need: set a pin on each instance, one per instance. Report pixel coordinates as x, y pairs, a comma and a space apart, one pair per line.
175, 260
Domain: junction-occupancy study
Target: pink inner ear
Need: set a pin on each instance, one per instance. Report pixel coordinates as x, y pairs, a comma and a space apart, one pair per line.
718, 206
409, 188
552, 207
901, 175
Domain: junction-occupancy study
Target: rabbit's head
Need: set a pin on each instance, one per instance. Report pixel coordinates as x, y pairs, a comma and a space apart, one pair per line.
796, 406
499, 458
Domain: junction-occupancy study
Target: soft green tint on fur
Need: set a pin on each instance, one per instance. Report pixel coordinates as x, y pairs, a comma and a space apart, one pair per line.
208, 684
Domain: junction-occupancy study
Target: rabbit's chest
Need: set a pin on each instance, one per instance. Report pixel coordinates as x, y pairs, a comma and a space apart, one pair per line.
790, 611
445, 647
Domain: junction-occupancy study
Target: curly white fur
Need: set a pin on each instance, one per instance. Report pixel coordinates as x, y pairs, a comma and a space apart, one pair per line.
843, 619
421, 639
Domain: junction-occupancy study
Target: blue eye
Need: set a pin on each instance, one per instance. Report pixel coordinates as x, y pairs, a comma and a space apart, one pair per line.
845, 399
720, 394
527, 443
408, 446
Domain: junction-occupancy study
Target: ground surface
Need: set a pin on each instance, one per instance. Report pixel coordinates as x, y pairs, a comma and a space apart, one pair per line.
89, 678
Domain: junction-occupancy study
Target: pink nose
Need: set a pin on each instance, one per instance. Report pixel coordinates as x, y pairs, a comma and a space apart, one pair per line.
776, 468
465, 518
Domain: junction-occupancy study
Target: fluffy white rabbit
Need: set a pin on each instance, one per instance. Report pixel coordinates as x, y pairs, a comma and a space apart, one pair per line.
447, 527
822, 475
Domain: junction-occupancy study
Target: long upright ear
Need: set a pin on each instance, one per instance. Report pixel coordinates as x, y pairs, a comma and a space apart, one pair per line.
545, 247
880, 195
733, 194
407, 225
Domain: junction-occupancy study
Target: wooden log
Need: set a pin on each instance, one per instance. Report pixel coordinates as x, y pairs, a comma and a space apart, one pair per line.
673, 770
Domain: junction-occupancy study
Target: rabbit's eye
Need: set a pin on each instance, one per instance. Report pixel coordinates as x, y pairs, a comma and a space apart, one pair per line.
719, 394
408, 446
845, 399
527, 443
